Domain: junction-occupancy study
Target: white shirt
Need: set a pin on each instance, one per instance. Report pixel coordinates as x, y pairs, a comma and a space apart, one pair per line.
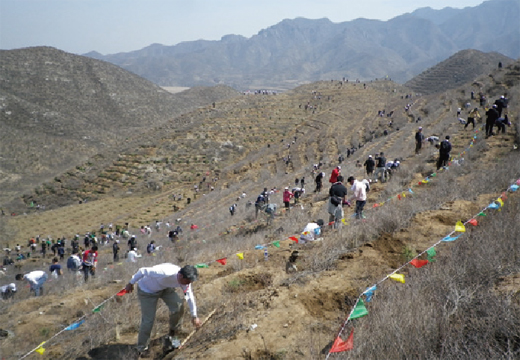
309, 233
11, 286
132, 256
159, 277
34, 276
359, 191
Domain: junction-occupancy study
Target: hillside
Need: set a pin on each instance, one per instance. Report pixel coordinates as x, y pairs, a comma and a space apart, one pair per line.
459, 69
298, 51
297, 315
58, 109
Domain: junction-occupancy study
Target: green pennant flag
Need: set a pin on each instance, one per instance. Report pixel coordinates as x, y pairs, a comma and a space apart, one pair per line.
276, 243
433, 175
200, 266
431, 253
481, 214
359, 311
98, 308
32, 204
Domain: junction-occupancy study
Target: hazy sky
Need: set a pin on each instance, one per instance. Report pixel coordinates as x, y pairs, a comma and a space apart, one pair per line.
111, 26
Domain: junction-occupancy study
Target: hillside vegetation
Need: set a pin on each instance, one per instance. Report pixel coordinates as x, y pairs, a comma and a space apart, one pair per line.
298, 314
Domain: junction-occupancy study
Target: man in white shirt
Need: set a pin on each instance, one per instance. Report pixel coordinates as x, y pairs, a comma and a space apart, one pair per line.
8, 291
36, 279
159, 282
359, 194
132, 255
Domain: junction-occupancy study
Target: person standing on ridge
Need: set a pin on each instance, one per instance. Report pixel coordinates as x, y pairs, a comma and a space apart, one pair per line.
419, 139
369, 165
491, 118
334, 175
444, 152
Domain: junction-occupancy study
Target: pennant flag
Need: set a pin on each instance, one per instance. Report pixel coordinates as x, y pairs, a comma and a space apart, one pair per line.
481, 214
240, 256
518, 182
359, 311
410, 190
433, 175
40, 350
397, 277
32, 204
98, 308
503, 196
259, 247
293, 238
75, 325
514, 188
473, 222
381, 204
418, 263
344, 221
425, 181
222, 261
499, 200
276, 243
331, 223
201, 266
375, 205
451, 238
493, 206
370, 292
403, 194
459, 226
340, 345
399, 196
121, 293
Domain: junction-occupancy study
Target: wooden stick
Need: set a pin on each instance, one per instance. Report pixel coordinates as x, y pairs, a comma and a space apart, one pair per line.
194, 331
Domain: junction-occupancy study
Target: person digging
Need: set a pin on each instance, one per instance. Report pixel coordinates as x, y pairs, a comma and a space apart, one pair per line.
159, 282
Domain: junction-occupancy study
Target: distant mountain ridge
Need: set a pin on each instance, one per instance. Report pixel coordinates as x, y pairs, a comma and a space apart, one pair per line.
298, 51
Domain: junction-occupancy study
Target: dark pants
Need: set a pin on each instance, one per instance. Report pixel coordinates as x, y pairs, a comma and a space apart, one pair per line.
470, 121
443, 160
418, 146
501, 126
359, 208
287, 204
87, 269
116, 256
489, 128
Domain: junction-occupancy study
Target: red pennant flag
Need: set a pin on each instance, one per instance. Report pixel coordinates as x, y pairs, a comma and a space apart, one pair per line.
420, 182
418, 263
503, 196
121, 293
331, 223
294, 238
375, 205
222, 261
340, 345
399, 196
473, 222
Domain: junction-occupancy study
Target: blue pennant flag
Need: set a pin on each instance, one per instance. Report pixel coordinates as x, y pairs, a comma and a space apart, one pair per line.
75, 325
370, 292
259, 247
451, 238
493, 206
514, 188
410, 190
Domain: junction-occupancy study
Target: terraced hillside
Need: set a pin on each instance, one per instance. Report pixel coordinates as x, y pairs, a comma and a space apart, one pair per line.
458, 69
296, 315
58, 109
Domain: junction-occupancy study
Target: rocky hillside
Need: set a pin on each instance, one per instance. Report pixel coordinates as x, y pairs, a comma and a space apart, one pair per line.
57, 109
461, 68
298, 51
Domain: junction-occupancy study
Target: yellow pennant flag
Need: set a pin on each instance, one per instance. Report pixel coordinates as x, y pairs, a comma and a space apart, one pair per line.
344, 221
404, 194
459, 226
381, 204
40, 349
397, 277
500, 201
240, 256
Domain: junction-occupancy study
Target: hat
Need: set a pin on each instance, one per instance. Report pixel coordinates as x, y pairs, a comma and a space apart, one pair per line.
494, 105
420, 127
370, 156
286, 188
502, 97
320, 222
339, 167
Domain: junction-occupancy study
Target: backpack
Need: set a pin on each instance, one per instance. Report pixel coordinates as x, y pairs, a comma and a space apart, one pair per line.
73, 263
445, 146
335, 200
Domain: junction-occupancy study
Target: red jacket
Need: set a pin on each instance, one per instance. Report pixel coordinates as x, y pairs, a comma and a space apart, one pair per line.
287, 195
334, 176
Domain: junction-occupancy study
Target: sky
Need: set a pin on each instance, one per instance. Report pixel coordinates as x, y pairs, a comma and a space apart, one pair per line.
112, 26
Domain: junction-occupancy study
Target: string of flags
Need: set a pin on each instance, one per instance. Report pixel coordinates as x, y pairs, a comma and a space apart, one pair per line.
359, 309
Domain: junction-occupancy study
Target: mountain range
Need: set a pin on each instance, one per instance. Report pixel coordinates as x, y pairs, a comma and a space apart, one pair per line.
299, 51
